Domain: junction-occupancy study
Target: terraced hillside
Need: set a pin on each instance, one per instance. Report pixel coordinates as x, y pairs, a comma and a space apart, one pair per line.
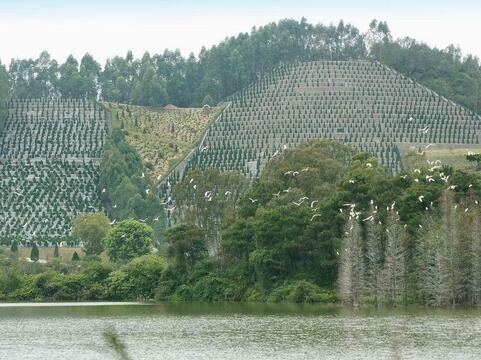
49, 165
162, 136
362, 103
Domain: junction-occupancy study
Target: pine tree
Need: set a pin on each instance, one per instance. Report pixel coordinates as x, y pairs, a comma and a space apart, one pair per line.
75, 256
34, 254
14, 246
55, 251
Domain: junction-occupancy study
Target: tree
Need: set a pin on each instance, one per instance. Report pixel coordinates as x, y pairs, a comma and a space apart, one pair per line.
393, 270
4, 87
373, 256
138, 279
55, 251
186, 244
34, 254
14, 246
91, 229
127, 240
75, 256
207, 101
351, 272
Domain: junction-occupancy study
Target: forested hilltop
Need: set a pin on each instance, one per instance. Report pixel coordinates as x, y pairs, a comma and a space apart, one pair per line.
216, 73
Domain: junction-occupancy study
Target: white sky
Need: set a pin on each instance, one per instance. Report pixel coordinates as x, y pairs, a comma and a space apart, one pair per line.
108, 31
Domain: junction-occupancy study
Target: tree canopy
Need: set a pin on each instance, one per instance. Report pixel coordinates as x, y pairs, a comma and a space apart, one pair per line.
91, 229
128, 239
218, 72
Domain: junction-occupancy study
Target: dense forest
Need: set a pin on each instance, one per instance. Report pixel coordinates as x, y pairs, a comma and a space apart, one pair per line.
216, 73
321, 224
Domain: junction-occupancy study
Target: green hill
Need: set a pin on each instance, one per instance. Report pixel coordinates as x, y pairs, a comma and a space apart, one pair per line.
362, 103
49, 164
162, 136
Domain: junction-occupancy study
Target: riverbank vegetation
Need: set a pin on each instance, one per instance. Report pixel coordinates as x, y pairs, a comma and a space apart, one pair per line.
321, 224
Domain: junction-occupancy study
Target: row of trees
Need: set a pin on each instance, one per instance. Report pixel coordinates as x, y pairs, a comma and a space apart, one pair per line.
382, 265
322, 218
239, 60
4, 88
321, 222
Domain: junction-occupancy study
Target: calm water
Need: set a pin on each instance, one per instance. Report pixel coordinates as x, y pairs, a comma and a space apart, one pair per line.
198, 331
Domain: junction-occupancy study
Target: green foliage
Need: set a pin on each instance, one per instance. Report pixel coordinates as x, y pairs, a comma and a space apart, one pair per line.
138, 279
75, 256
127, 240
186, 244
91, 229
239, 60
55, 251
301, 291
207, 101
121, 170
474, 157
34, 253
193, 206
14, 246
4, 87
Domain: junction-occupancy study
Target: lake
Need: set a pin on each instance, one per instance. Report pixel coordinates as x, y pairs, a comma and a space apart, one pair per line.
236, 331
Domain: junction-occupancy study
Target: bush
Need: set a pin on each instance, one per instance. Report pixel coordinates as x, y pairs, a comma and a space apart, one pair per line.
127, 240
138, 279
182, 293
209, 288
301, 291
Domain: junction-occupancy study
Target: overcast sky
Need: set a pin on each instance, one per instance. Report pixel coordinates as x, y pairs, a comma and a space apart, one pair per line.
106, 28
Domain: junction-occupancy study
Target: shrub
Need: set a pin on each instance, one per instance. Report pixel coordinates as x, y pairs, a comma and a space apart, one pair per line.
301, 291
127, 240
138, 279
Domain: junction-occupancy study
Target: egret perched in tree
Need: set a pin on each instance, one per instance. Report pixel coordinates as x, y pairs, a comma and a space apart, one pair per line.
314, 216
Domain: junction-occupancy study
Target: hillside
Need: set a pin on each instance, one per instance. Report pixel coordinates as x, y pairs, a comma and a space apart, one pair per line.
162, 136
49, 165
362, 103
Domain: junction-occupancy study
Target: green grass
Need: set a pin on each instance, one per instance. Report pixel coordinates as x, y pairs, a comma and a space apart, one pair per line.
454, 156
162, 137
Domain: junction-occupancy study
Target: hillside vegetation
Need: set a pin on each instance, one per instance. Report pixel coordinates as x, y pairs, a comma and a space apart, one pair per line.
162, 136
49, 165
365, 104
340, 229
231, 65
